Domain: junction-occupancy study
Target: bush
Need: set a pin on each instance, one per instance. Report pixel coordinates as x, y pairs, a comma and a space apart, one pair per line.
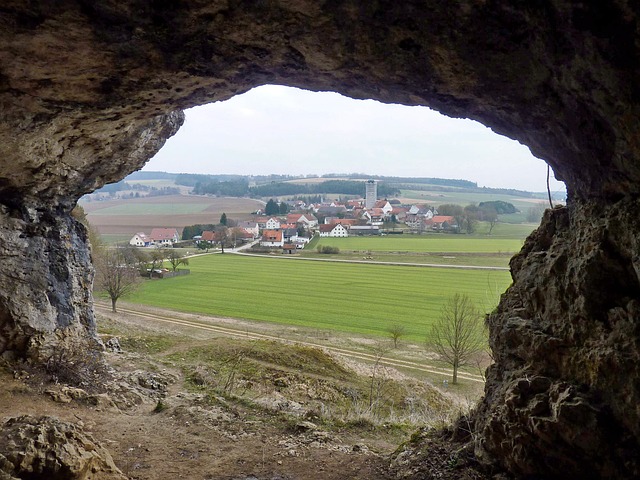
328, 250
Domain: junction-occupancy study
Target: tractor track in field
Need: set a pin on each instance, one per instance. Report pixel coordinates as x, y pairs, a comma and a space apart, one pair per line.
244, 333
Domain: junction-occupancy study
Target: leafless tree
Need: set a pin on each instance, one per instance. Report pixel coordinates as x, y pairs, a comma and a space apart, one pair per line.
396, 331
222, 236
175, 258
154, 260
116, 275
457, 336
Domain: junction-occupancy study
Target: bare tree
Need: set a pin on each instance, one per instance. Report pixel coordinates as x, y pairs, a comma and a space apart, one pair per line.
490, 215
154, 260
115, 273
457, 335
222, 236
175, 258
396, 331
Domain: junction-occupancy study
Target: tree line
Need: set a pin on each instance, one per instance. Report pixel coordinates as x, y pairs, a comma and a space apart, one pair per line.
241, 188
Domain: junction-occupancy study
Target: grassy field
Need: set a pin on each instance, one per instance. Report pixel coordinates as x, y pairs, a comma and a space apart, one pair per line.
426, 243
346, 297
464, 197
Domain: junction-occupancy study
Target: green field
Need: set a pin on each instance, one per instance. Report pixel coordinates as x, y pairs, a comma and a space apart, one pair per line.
442, 243
340, 296
152, 209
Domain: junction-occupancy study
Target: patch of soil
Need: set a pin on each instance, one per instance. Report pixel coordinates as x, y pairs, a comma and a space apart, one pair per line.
191, 439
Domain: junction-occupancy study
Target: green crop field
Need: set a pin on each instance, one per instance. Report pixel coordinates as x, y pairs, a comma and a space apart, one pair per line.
442, 243
339, 296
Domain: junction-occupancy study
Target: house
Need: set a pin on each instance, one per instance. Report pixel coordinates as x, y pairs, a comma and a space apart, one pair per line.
140, 239
272, 224
444, 222
400, 213
347, 222
374, 216
208, 236
422, 210
289, 248
164, 236
272, 238
334, 230
251, 227
413, 221
305, 219
289, 234
384, 205
241, 235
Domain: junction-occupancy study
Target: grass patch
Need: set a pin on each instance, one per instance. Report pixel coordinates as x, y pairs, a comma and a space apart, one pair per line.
150, 344
332, 396
441, 243
357, 298
478, 260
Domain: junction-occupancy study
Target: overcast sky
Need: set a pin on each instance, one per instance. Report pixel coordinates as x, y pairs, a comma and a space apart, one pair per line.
282, 130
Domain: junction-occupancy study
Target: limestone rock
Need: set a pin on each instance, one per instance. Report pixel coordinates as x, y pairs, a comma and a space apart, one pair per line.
45, 447
562, 77
562, 395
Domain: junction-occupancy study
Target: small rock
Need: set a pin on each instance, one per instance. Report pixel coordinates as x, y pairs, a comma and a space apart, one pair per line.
306, 426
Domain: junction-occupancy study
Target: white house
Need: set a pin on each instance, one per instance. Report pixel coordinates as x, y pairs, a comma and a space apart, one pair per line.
272, 238
164, 236
140, 239
272, 224
335, 230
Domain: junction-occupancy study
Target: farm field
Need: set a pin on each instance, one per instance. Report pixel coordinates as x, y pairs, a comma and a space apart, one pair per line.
464, 197
360, 298
431, 243
458, 259
118, 219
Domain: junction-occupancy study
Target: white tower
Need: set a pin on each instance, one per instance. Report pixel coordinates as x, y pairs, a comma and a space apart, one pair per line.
370, 193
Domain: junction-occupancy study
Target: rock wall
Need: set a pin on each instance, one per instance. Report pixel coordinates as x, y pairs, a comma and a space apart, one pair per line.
563, 396
87, 91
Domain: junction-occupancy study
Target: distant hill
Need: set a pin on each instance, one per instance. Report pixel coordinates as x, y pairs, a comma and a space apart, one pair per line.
150, 176
282, 185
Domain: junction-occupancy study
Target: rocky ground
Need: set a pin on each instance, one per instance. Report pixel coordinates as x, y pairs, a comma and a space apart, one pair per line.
143, 420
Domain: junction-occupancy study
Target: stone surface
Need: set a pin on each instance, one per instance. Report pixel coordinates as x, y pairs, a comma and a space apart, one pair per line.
45, 447
90, 90
563, 394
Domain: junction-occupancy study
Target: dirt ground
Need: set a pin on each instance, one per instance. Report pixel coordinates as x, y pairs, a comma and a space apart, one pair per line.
212, 207
183, 443
192, 438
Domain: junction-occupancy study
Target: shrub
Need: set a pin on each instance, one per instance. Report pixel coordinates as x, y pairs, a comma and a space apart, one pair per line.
328, 250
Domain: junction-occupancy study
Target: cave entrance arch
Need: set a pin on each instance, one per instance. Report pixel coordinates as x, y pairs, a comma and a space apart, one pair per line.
561, 77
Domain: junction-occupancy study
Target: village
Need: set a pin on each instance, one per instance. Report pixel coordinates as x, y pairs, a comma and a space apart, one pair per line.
293, 230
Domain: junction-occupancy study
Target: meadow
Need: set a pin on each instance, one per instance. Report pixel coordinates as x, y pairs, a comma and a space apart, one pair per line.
441, 243
360, 298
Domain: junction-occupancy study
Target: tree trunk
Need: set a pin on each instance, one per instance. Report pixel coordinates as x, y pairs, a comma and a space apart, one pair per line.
113, 304
454, 380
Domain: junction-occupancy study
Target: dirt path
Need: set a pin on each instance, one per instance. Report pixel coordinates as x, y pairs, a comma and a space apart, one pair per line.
211, 324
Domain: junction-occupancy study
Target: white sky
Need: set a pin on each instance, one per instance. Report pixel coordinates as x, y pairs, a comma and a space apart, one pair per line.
282, 130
